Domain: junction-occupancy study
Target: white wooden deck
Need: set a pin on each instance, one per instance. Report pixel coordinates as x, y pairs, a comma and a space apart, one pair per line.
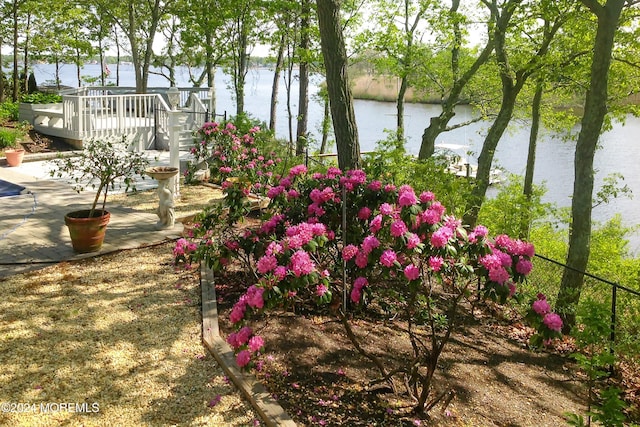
102, 111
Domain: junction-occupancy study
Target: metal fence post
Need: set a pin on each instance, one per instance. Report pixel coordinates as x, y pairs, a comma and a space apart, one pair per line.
612, 338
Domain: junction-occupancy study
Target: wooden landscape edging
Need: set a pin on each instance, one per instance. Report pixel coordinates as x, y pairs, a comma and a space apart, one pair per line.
271, 413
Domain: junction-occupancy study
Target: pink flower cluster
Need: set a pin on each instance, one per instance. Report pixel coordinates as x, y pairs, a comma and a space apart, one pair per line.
406, 196
299, 235
553, 322
353, 178
290, 251
388, 258
356, 292
250, 343
301, 263
412, 272
508, 258
514, 247
230, 153
184, 247
252, 298
542, 308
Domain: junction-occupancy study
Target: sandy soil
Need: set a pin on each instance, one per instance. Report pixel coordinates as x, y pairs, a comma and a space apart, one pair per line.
118, 337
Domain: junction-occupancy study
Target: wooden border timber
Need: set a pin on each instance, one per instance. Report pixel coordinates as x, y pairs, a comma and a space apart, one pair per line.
267, 408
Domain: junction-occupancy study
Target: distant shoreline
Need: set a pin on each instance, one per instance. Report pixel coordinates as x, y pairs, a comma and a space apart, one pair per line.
385, 89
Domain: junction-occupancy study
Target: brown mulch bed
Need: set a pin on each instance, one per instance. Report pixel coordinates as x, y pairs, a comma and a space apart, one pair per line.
488, 379
35, 142
39, 143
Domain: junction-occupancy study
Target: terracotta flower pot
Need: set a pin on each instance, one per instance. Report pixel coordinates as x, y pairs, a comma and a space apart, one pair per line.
87, 233
14, 156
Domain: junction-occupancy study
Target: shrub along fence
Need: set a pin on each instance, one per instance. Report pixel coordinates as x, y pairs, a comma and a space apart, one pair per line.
624, 302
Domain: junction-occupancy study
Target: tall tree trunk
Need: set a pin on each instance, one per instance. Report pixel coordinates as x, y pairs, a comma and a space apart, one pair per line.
340, 97
78, 68
210, 67
303, 93
402, 91
485, 160
512, 83
287, 82
1, 75
531, 159
211, 76
141, 55
115, 33
25, 51
242, 67
275, 86
103, 64
438, 125
135, 49
213, 101
595, 109
326, 125
57, 72
241, 60
303, 110
16, 80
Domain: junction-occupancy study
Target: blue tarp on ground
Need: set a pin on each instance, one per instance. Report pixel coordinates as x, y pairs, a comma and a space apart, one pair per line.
9, 189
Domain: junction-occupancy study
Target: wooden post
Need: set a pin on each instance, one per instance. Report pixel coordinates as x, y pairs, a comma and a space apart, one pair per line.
174, 150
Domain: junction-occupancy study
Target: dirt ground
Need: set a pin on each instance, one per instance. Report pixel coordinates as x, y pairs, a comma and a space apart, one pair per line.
36, 142
39, 143
487, 378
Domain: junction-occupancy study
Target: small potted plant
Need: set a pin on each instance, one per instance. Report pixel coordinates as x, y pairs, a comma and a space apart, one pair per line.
103, 164
14, 156
9, 139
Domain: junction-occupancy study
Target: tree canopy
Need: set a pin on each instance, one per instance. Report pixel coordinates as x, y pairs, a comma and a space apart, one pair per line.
577, 61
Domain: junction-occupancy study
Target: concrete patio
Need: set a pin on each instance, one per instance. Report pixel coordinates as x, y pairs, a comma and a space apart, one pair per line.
32, 230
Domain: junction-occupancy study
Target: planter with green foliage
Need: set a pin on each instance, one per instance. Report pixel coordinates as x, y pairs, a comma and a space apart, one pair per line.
9, 137
103, 164
33, 102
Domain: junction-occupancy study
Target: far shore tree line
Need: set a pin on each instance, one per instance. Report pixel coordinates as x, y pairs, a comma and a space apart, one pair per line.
509, 59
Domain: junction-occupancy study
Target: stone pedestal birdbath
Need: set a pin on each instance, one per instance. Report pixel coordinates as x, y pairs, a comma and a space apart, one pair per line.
166, 214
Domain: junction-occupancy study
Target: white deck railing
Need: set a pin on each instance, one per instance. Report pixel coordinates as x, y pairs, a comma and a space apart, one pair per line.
200, 112
97, 115
102, 111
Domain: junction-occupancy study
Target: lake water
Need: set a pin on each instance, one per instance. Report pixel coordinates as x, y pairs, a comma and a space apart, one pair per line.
554, 165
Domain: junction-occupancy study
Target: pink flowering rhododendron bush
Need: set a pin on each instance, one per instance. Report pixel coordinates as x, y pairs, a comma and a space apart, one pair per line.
400, 252
229, 152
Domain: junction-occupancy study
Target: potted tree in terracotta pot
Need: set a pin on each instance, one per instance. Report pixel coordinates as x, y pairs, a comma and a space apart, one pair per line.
10, 137
103, 164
